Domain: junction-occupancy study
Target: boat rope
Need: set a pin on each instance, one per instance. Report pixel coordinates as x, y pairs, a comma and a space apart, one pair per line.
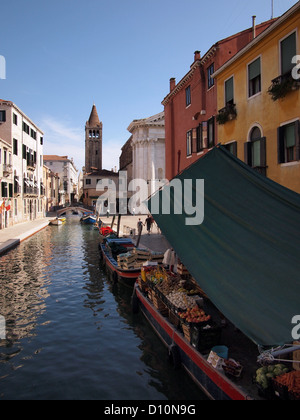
270, 356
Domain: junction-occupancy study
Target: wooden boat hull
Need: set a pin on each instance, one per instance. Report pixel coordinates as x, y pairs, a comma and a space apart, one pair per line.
127, 277
211, 381
89, 220
56, 222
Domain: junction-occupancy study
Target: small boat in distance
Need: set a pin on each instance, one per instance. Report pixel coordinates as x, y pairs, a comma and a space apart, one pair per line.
56, 222
88, 219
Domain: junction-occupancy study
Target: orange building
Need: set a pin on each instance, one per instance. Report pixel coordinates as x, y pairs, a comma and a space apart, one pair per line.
259, 102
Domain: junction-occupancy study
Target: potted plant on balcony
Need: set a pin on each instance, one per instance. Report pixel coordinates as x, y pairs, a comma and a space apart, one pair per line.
227, 114
282, 85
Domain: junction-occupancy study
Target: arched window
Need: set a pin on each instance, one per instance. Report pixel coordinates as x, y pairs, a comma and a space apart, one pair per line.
90, 134
97, 134
255, 150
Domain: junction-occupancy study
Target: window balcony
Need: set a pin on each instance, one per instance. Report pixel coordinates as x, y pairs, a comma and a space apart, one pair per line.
283, 85
31, 165
226, 114
7, 170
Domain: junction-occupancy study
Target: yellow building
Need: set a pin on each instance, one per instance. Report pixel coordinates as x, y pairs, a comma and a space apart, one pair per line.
259, 101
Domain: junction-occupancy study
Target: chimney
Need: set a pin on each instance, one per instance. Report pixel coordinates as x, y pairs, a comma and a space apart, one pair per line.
254, 26
172, 84
197, 55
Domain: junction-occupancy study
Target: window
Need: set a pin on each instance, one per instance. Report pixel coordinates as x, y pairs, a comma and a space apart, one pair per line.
199, 138
15, 151
254, 78
15, 119
41, 141
2, 116
188, 98
288, 142
211, 133
189, 143
210, 79
88, 182
26, 128
288, 50
255, 151
231, 147
229, 92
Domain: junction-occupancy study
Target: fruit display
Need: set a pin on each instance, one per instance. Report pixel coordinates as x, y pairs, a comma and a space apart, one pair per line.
265, 374
290, 380
194, 315
180, 300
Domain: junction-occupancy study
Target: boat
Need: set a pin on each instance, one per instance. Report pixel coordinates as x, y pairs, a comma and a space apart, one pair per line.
106, 231
213, 382
89, 219
56, 222
118, 274
245, 259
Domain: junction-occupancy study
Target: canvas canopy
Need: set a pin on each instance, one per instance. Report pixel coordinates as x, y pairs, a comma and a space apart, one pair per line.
245, 255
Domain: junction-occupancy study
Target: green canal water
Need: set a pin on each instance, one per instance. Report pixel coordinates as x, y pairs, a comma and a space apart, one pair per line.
71, 334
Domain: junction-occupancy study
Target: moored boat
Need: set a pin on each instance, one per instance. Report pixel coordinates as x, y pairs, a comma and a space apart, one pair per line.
213, 382
56, 222
108, 257
89, 219
246, 260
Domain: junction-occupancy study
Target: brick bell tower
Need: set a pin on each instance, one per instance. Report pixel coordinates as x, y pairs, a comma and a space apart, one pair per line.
93, 143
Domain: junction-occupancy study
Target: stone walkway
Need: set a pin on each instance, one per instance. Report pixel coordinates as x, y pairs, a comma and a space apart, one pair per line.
13, 236
155, 241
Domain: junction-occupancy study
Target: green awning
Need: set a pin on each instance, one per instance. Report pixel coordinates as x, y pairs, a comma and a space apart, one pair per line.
245, 255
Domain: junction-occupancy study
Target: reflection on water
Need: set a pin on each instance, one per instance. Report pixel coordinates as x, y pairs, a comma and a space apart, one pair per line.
70, 334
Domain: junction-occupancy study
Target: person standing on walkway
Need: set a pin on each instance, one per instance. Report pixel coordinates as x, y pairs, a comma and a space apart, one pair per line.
139, 226
148, 222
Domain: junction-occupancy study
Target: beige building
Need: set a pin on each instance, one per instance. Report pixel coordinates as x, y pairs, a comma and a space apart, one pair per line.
67, 172
22, 165
52, 191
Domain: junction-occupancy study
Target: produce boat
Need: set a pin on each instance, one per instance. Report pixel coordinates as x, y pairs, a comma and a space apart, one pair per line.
211, 381
196, 340
246, 260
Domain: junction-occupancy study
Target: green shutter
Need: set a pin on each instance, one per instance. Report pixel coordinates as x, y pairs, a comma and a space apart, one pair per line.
229, 90
288, 51
290, 135
254, 69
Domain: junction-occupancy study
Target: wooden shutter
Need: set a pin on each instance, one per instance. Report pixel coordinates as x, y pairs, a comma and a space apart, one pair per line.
263, 152
248, 153
297, 132
280, 144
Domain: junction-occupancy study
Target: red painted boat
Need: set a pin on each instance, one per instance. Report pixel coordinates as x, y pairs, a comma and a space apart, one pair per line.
213, 382
127, 277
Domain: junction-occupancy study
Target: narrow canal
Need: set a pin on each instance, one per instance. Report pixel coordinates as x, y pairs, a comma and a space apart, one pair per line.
71, 334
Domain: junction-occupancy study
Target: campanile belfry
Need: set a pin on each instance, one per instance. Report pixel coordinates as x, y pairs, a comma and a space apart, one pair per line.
93, 143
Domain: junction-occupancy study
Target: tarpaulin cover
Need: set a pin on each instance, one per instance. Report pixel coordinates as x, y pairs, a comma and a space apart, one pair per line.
245, 255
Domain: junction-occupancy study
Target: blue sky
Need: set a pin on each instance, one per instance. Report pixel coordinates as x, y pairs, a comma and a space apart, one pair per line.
64, 55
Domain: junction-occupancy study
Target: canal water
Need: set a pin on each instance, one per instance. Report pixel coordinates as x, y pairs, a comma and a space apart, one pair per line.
71, 334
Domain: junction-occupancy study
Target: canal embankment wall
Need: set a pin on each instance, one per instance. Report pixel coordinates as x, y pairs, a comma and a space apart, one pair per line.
13, 236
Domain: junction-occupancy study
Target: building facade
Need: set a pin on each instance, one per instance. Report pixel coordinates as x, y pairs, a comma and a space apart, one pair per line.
68, 175
192, 104
7, 184
52, 189
262, 84
22, 181
148, 149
